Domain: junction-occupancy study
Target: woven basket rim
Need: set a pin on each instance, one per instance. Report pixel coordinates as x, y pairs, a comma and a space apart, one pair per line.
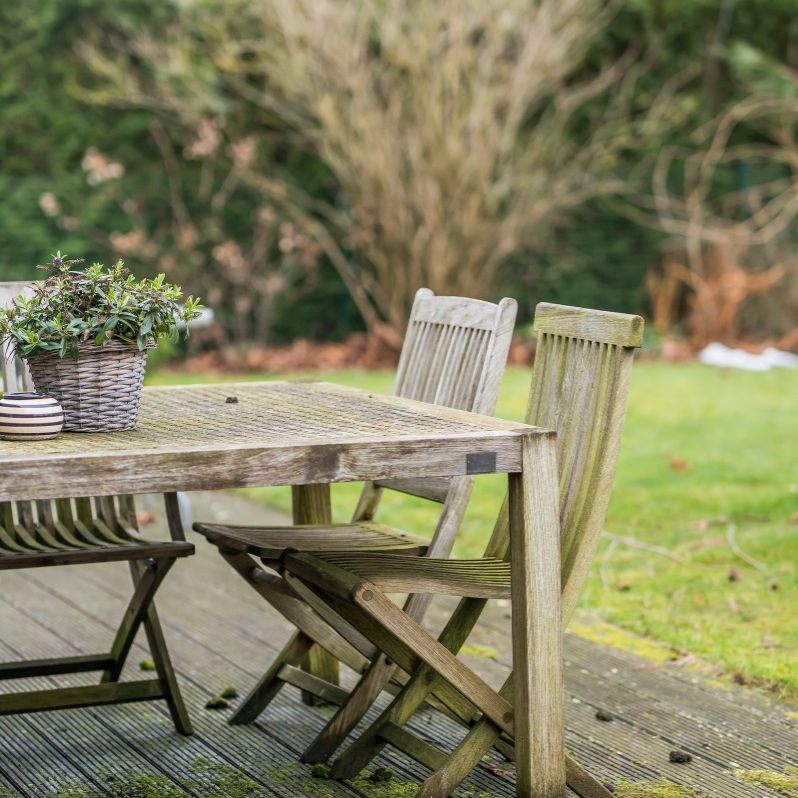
113, 345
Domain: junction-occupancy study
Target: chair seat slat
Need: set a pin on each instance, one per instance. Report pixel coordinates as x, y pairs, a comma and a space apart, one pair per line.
269, 543
483, 578
38, 558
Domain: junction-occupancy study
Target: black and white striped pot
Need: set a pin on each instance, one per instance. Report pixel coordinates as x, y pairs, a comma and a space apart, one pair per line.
30, 417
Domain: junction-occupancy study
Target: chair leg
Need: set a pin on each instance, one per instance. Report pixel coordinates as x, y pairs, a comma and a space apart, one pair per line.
466, 756
418, 690
150, 575
374, 680
163, 663
312, 505
369, 744
365, 693
406, 643
317, 633
482, 736
347, 645
269, 684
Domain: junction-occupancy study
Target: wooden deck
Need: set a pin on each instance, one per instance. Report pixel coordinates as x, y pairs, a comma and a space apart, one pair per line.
221, 635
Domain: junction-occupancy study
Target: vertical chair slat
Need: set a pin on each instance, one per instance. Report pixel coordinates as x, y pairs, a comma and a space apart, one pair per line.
106, 511
470, 365
44, 512
25, 515
459, 392
444, 392
65, 515
127, 513
7, 516
84, 511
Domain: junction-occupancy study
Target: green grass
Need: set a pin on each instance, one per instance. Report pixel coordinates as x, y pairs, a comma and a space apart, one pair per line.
736, 437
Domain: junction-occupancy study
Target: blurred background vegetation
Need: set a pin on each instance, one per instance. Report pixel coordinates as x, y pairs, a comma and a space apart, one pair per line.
305, 165
651, 167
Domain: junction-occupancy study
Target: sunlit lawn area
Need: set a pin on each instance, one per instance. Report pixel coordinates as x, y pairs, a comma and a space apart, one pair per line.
708, 477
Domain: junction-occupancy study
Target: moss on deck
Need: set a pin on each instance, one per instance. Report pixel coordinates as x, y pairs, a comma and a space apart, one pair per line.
785, 783
655, 789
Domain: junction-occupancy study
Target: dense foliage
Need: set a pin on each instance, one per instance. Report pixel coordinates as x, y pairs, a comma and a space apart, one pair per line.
87, 175
73, 306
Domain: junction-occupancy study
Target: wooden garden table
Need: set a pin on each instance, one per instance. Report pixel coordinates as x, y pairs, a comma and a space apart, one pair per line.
311, 434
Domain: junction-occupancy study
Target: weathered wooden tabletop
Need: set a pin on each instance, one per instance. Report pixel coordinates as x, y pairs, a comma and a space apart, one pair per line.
259, 434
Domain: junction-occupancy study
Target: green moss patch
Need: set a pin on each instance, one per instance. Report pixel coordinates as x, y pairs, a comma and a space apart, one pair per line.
141, 785
654, 789
391, 788
606, 634
212, 780
785, 783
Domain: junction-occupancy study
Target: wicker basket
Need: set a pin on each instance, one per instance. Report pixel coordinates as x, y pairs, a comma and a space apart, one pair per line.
100, 390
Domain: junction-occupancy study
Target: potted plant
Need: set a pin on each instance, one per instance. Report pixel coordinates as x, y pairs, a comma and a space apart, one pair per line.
85, 334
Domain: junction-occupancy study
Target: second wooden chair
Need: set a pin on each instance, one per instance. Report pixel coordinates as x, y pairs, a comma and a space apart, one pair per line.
454, 354
579, 389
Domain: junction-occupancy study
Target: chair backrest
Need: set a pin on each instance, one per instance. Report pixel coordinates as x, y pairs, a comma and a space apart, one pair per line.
580, 384
454, 353
54, 523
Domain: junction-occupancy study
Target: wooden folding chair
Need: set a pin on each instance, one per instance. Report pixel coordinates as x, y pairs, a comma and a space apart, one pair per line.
579, 388
90, 530
454, 354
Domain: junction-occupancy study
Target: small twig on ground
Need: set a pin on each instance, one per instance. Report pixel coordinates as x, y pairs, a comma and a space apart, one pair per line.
731, 537
639, 544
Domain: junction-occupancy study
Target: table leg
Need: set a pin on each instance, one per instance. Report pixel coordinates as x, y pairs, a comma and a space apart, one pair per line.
312, 505
537, 623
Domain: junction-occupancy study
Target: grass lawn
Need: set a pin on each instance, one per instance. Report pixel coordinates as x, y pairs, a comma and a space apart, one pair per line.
701, 550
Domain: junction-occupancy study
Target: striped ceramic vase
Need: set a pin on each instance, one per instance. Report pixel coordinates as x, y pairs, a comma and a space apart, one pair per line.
30, 417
